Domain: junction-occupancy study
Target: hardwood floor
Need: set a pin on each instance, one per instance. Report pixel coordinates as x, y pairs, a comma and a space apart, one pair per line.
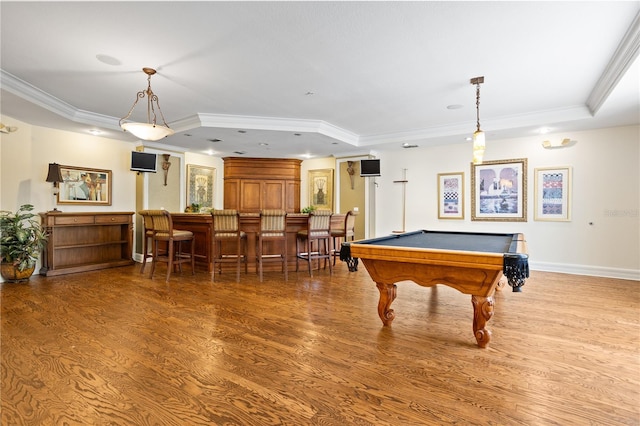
113, 347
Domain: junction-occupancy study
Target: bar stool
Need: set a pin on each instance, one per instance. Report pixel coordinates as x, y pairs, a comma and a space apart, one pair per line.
273, 229
147, 237
314, 242
226, 229
163, 231
344, 233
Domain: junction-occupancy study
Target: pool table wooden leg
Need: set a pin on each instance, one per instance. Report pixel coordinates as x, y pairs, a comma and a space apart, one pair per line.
482, 312
387, 296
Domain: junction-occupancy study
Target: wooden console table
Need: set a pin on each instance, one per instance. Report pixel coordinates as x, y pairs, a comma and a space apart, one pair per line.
80, 242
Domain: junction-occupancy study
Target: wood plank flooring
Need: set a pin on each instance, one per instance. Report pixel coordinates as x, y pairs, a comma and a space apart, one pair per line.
114, 347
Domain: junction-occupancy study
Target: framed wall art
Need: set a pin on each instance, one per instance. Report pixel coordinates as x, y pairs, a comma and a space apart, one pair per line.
451, 195
552, 189
321, 188
82, 185
200, 184
499, 190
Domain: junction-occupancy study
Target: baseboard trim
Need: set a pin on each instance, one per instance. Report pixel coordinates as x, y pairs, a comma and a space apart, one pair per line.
599, 271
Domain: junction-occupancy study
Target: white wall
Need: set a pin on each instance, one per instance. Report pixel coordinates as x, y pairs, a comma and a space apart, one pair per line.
603, 237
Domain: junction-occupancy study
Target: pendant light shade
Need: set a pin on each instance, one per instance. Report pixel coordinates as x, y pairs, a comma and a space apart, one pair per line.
478, 146
149, 131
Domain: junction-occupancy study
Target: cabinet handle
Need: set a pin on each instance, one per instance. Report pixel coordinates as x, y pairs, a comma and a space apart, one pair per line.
113, 219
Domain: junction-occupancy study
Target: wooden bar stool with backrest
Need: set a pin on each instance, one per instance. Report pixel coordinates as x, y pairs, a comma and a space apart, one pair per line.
163, 232
226, 229
344, 233
314, 242
147, 237
273, 229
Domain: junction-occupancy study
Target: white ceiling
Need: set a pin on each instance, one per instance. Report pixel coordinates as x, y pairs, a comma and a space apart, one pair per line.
346, 77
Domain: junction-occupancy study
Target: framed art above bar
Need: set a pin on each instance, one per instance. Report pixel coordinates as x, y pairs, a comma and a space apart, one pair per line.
200, 184
82, 185
499, 190
451, 195
552, 189
321, 188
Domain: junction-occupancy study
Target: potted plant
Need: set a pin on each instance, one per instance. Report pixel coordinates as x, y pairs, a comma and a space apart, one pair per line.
21, 241
308, 209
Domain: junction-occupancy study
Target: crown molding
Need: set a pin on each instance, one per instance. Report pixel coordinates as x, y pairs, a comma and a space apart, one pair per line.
36, 96
622, 60
278, 124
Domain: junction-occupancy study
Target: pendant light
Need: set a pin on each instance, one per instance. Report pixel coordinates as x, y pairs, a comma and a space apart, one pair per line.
148, 131
478, 135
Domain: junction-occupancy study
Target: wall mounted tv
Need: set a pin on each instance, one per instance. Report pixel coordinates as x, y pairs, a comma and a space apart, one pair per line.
370, 167
143, 162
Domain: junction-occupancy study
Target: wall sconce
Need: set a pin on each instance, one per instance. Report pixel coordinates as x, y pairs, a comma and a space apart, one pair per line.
165, 167
148, 131
7, 129
564, 143
54, 176
478, 135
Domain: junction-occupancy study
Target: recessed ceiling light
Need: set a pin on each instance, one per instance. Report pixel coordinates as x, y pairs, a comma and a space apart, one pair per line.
309, 94
544, 130
239, 152
242, 131
455, 106
214, 140
95, 132
409, 145
297, 134
263, 144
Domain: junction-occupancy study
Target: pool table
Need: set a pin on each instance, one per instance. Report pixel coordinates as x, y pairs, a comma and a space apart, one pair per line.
470, 262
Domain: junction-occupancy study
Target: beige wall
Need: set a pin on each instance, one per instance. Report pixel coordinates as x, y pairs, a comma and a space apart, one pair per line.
26, 154
603, 237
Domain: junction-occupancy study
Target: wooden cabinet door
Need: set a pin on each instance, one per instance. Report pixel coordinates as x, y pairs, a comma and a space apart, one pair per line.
292, 197
232, 194
250, 195
274, 194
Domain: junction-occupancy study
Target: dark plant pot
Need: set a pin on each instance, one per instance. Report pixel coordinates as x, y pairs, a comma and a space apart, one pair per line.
11, 274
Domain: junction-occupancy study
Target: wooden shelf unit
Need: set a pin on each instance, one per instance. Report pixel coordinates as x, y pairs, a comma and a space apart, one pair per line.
80, 242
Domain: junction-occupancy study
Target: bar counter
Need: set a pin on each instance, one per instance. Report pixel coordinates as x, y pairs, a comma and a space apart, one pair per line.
201, 226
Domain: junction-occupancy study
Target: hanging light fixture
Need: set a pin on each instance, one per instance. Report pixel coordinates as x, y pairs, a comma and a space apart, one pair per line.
478, 135
148, 131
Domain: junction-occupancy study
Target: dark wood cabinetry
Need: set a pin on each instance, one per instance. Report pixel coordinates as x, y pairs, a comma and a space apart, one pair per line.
253, 184
80, 242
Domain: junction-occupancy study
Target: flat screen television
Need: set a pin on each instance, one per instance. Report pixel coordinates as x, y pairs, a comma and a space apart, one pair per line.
143, 162
370, 167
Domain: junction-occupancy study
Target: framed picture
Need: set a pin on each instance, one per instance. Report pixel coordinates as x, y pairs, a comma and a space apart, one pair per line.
499, 190
81, 185
451, 195
200, 184
552, 188
321, 188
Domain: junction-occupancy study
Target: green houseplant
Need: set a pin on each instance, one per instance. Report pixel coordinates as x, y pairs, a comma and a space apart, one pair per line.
21, 240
